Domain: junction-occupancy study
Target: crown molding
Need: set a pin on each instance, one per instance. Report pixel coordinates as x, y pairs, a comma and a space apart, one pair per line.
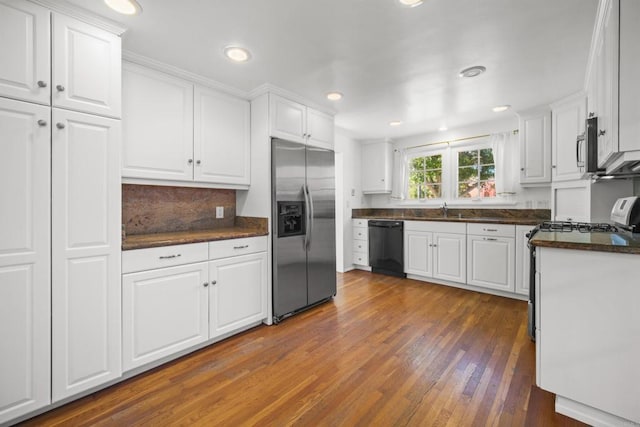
291, 96
66, 8
182, 74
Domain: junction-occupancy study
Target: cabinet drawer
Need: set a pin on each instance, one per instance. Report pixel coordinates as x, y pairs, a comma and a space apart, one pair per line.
165, 256
361, 246
502, 230
360, 222
436, 226
361, 233
360, 258
226, 248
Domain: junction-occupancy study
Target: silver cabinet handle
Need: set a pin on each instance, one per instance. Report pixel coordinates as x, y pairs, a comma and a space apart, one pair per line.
205, 284
60, 125
42, 83
308, 135
60, 88
213, 282
490, 229
198, 162
190, 161
42, 122
490, 239
569, 219
553, 166
602, 132
170, 256
241, 247
521, 169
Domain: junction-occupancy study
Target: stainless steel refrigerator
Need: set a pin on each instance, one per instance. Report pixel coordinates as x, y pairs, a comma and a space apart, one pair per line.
303, 226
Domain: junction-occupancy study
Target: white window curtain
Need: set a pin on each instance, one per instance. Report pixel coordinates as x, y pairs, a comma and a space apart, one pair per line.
398, 179
502, 147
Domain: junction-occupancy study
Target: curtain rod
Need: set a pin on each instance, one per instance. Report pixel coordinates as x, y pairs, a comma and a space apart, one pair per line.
514, 132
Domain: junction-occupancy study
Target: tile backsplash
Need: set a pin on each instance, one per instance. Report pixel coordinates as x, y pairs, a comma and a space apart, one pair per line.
160, 209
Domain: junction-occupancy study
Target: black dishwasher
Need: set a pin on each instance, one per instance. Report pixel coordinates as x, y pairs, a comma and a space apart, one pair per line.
386, 248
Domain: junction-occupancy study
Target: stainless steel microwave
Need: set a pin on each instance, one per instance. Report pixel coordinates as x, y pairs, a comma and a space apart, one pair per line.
587, 148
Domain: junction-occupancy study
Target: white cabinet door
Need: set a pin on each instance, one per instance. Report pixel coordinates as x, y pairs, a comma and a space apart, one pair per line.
535, 146
25, 67
288, 119
86, 199
320, 129
629, 84
237, 295
222, 141
522, 259
418, 253
568, 121
25, 292
86, 70
491, 262
163, 311
570, 201
376, 174
158, 127
449, 257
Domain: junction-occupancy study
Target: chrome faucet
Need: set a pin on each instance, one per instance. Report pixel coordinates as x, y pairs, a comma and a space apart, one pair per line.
445, 209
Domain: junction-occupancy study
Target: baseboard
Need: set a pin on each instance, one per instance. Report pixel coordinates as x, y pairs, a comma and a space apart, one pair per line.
590, 415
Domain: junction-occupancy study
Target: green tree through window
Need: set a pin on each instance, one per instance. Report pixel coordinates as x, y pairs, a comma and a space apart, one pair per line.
476, 174
425, 177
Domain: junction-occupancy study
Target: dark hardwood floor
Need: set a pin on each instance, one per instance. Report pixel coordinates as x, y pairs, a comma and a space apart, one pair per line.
384, 352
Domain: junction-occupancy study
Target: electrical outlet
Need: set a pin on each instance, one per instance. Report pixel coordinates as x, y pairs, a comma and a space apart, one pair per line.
219, 212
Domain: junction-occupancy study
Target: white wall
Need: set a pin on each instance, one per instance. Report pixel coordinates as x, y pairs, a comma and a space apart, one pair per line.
348, 195
536, 198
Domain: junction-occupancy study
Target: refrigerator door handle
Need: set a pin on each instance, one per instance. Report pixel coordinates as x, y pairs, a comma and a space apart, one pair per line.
307, 218
310, 223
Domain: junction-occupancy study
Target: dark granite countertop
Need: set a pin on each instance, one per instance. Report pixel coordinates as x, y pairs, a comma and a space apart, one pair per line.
621, 242
141, 241
514, 221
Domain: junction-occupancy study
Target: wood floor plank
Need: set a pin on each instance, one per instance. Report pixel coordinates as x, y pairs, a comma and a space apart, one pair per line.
386, 351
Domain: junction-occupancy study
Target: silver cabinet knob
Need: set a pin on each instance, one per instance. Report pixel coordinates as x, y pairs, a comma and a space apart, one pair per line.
553, 166
60, 88
308, 135
213, 282
42, 83
42, 122
198, 162
205, 284
522, 169
602, 132
190, 161
60, 125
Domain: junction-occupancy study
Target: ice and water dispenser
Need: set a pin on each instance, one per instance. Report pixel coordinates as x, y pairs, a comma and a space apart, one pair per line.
291, 219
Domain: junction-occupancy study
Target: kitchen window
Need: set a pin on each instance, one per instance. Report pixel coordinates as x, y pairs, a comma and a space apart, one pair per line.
476, 173
425, 176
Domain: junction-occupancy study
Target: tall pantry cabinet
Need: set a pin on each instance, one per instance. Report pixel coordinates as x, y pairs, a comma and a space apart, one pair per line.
60, 228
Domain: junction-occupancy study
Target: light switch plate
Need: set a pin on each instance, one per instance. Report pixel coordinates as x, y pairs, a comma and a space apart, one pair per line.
219, 212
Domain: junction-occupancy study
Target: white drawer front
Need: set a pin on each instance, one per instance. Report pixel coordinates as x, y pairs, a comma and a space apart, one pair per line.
436, 226
360, 258
164, 256
361, 246
361, 233
360, 223
226, 248
502, 230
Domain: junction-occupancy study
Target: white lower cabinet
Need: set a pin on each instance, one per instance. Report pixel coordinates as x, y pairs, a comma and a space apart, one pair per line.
163, 311
218, 288
435, 254
237, 295
491, 256
522, 259
360, 242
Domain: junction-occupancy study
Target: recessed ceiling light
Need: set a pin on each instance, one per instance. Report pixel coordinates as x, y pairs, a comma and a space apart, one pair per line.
126, 7
410, 3
334, 96
474, 71
237, 54
443, 128
395, 123
501, 108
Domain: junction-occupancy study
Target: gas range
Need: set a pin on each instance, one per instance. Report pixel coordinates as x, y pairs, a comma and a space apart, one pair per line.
583, 227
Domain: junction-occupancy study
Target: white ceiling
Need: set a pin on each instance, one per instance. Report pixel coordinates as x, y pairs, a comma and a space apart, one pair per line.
391, 62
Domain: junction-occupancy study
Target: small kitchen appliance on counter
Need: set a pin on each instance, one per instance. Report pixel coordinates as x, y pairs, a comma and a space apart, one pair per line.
626, 214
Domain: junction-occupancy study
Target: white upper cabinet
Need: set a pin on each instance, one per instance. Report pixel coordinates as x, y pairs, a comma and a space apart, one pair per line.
377, 161
567, 122
629, 103
86, 240
535, 146
25, 65
222, 141
158, 125
25, 275
86, 68
298, 123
